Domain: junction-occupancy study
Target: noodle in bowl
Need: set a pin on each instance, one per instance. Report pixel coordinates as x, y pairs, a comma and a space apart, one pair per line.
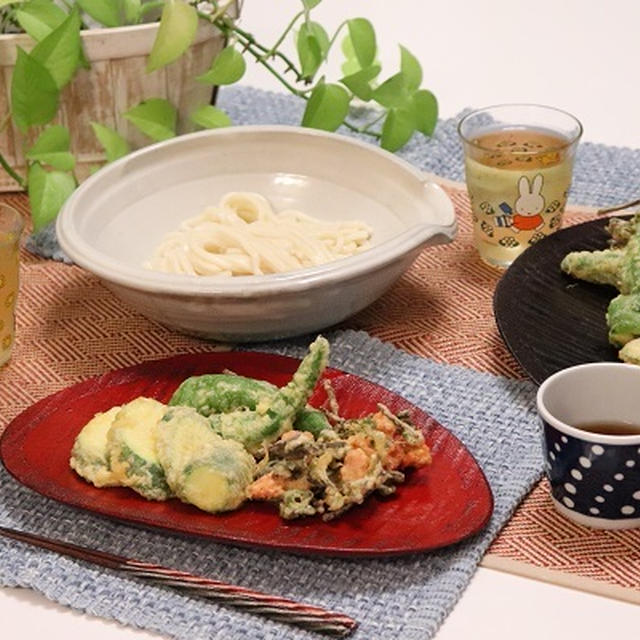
243, 236
114, 221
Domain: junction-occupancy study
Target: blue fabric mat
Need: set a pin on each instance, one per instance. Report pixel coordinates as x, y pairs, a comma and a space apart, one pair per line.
406, 597
603, 175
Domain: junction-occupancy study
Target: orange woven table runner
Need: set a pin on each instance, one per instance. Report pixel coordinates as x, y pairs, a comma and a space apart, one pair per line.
70, 327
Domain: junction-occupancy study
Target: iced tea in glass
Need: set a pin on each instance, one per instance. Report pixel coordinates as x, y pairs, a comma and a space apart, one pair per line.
518, 166
11, 225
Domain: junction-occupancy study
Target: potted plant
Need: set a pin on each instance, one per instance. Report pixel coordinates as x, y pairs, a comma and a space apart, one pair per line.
86, 81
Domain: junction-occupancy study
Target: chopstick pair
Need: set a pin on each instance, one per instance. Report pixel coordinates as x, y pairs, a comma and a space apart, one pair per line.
305, 616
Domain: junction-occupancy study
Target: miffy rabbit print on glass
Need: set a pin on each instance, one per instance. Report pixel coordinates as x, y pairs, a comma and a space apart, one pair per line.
529, 205
518, 163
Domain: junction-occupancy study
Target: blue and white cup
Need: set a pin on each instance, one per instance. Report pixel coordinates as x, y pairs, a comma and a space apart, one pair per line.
594, 477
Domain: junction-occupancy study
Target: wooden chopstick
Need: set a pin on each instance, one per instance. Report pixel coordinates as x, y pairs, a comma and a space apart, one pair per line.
281, 609
618, 207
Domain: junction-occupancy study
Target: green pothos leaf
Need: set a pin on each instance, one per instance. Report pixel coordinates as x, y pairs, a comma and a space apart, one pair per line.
107, 12
392, 92
363, 40
309, 4
425, 107
360, 82
210, 117
397, 129
350, 64
60, 50
312, 44
410, 69
155, 117
52, 148
39, 18
34, 94
178, 25
132, 10
114, 145
48, 191
227, 67
327, 107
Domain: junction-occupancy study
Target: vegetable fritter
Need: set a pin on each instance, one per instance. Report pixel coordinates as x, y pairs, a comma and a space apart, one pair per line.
226, 392
221, 393
276, 415
329, 474
89, 456
132, 448
202, 468
618, 266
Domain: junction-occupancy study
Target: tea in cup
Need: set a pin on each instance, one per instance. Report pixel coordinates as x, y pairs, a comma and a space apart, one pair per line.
518, 166
591, 420
11, 225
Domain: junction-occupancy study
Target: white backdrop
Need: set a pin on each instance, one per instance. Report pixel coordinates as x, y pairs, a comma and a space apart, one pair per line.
578, 55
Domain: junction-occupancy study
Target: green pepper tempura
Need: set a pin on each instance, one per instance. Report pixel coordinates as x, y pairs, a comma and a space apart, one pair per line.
618, 266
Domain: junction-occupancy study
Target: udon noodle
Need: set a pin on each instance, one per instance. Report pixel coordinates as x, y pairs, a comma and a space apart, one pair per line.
244, 236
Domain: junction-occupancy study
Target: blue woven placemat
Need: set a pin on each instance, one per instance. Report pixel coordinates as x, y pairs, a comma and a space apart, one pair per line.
406, 597
603, 175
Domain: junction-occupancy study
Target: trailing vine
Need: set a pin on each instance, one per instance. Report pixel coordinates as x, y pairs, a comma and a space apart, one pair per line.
400, 106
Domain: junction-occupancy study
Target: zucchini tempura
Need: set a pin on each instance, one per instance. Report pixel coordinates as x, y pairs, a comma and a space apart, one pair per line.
132, 448
89, 456
202, 468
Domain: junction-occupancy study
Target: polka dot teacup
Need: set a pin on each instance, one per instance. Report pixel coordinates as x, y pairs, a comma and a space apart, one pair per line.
594, 474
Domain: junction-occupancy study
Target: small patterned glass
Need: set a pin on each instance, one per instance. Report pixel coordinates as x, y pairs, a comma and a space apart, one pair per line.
518, 165
11, 225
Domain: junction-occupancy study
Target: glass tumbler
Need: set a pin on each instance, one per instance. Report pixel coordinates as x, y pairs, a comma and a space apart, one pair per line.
11, 225
518, 166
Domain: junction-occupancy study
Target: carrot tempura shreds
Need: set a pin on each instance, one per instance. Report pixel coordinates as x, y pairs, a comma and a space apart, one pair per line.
328, 474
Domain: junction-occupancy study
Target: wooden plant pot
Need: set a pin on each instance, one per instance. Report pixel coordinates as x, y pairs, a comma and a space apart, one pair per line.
116, 81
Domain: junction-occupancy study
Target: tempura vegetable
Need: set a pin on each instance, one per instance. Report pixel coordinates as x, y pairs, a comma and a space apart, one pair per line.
221, 393
236, 442
89, 455
311, 420
227, 392
621, 230
201, 467
329, 474
623, 318
630, 352
132, 448
599, 267
618, 266
276, 415
630, 267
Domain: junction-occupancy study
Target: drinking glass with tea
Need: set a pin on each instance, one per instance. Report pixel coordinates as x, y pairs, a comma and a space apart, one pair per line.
11, 224
518, 166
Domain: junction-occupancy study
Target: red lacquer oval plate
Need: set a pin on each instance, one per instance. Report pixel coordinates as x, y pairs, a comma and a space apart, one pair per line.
437, 506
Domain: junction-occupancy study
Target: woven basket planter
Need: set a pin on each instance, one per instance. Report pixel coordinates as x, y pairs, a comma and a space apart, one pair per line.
116, 81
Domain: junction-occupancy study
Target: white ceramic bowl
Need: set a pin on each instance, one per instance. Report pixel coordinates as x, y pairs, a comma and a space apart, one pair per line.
114, 220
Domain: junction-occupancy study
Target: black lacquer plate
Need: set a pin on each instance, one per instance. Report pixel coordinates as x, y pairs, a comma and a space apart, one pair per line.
549, 320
